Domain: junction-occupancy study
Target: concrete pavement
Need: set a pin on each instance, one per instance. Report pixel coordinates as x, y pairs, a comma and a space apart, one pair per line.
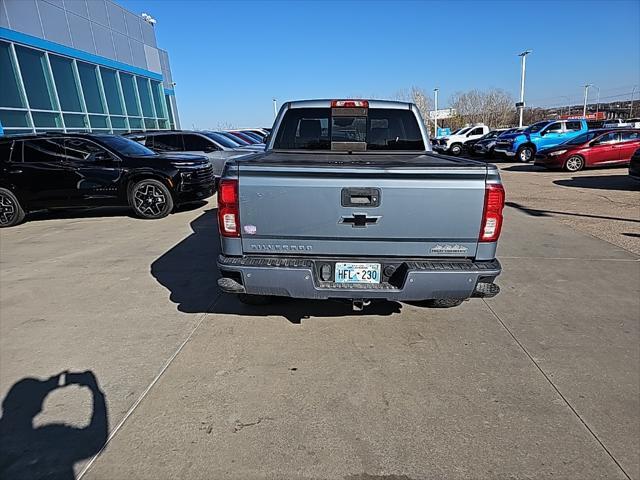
539, 382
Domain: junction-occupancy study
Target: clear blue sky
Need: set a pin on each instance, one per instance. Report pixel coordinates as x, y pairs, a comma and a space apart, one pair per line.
230, 59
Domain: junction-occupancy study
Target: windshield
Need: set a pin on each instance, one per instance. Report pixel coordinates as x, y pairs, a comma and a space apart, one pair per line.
221, 139
339, 129
125, 146
584, 138
462, 131
253, 136
234, 138
536, 127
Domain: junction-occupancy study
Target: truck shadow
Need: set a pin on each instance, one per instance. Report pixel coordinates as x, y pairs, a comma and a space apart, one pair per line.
190, 274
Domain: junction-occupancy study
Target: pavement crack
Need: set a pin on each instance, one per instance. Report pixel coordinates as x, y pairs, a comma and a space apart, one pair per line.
238, 425
553, 385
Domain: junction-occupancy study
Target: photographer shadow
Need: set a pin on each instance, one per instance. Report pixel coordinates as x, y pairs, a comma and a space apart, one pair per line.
190, 273
49, 451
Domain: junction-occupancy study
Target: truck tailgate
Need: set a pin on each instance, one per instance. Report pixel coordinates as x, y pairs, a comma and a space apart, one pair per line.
421, 205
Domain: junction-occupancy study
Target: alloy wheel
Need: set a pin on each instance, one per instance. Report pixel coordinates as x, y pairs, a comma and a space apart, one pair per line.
526, 154
149, 199
574, 164
8, 210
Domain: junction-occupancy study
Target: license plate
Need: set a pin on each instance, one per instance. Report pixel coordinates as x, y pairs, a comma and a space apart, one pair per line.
357, 273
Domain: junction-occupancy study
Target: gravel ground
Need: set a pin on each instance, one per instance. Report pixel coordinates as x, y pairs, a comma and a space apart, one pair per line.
604, 202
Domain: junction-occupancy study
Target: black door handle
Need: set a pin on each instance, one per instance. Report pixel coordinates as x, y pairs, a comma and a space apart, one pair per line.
360, 197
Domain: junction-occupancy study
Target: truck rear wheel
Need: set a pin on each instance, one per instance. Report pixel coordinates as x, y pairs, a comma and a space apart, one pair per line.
444, 302
254, 299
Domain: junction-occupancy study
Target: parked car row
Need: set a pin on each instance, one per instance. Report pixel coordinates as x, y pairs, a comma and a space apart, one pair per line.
565, 144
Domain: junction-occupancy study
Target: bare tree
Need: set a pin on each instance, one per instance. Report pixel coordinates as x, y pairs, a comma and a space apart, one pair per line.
494, 107
418, 96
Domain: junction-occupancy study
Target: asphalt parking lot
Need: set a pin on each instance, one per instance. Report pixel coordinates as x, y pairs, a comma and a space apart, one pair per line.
542, 381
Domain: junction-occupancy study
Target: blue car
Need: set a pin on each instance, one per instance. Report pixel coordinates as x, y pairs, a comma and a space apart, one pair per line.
545, 134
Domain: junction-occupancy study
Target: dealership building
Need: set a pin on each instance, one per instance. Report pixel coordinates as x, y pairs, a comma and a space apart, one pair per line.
82, 65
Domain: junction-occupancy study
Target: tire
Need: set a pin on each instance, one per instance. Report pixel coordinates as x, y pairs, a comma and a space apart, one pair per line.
525, 154
455, 149
11, 212
150, 199
575, 163
444, 302
255, 300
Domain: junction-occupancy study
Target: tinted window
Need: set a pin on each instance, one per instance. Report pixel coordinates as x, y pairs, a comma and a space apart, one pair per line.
536, 127
89, 81
145, 96
171, 142
555, 127
129, 93
66, 87
124, 146
573, 126
111, 91
477, 131
9, 93
233, 138
80, 149
630, 136
43, 150
5, 151
36, 83
611, 137
196, 143
221, 139
584, 138
381, 129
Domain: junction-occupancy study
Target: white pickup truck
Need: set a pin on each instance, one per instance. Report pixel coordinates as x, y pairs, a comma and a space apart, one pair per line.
452, 144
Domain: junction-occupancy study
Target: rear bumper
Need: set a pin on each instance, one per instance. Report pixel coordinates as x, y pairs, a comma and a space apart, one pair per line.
412, 280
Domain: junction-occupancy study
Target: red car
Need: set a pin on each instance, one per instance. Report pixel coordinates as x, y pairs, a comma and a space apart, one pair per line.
608, 146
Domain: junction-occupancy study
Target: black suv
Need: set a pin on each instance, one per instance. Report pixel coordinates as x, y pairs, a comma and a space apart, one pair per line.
50, 171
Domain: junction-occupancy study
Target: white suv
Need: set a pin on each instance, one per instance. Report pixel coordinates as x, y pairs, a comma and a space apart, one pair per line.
453, 143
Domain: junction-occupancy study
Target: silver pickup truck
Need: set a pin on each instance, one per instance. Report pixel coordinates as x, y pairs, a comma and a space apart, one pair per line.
349, 202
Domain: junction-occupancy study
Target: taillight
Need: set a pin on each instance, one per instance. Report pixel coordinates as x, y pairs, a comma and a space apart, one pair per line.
350, 104
228, 208
492, 215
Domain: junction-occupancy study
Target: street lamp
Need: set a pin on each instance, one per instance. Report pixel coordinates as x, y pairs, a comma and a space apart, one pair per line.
275, 108
586, 94
568, 105
523, 56
435, 116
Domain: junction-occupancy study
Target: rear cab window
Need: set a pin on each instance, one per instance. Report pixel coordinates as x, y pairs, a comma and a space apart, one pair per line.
349, 129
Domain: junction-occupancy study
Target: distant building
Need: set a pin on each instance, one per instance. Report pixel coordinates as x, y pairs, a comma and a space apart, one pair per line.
81, 65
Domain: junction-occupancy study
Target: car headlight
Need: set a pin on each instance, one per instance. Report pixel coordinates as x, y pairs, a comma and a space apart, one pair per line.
186, 176
557, 152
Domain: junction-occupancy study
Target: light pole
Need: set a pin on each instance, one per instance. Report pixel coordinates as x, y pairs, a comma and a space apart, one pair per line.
435, 116
568, 105
586, 94
523, 56
275, 108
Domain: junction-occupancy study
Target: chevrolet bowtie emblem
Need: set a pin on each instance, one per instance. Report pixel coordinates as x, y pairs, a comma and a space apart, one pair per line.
360, 220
